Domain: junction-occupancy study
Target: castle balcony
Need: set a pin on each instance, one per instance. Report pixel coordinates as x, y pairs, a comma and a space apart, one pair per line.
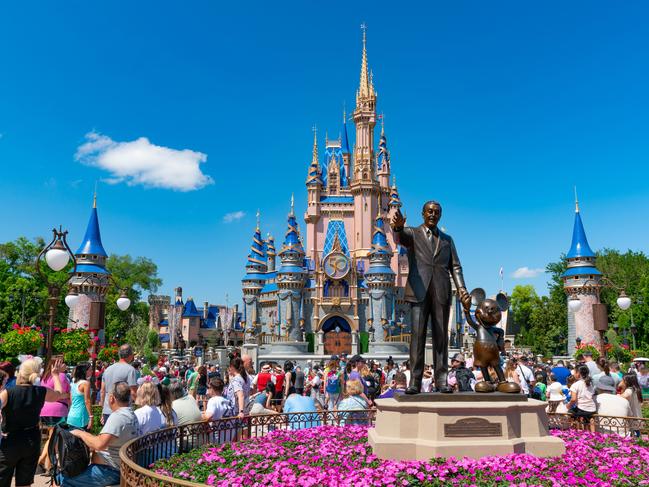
268, 338
403, 337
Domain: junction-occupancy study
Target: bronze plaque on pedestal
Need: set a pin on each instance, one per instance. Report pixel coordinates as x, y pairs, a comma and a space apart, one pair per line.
472, 427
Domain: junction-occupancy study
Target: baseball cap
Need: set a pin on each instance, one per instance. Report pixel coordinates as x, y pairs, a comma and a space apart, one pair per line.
334, 357
458, 357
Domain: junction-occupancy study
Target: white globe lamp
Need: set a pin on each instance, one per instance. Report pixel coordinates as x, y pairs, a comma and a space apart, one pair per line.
72, 299
624, 302
574, 303
123, 302
57, 258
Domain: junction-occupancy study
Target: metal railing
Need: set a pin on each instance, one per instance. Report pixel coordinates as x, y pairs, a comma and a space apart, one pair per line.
140, 453
401, 337
266, 338
621, 425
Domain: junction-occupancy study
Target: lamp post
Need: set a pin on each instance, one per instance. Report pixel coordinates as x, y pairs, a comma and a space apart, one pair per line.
57, 255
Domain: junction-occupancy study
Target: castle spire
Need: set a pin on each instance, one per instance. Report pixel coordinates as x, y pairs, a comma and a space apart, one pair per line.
579, 247
365, 87
314, 156
91, 244
94, 197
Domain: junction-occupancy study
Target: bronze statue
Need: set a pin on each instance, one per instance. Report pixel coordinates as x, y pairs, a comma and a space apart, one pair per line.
489, 341
431, 257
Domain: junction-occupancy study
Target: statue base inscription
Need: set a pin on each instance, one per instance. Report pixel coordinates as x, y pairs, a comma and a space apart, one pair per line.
420, 430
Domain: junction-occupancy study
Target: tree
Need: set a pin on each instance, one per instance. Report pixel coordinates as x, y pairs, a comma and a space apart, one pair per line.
136, 336
136, 276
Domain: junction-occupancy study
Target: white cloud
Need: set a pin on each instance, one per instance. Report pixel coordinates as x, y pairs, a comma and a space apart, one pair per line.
233, 217
526, 273
144, 163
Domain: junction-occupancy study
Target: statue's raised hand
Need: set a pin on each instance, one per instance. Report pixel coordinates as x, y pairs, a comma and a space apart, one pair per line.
398, 221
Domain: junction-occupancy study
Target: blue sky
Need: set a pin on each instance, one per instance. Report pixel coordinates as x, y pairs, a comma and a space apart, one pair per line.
504, 106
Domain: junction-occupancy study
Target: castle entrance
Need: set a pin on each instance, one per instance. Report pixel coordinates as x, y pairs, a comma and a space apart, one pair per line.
337, 336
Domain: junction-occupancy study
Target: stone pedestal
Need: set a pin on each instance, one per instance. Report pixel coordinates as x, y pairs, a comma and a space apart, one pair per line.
388, 348
462, 424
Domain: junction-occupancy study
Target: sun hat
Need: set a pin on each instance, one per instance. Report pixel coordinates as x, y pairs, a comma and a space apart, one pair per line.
606, 383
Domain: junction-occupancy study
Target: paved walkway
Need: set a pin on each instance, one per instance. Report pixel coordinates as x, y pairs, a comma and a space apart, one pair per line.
39, 481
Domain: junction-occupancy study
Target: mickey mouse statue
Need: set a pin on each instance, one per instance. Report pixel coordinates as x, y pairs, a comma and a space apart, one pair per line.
489, 342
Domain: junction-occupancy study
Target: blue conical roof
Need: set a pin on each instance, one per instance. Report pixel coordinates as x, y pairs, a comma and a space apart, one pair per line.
384, 154
292, 238
257, 255
190, 309
579, 247
92, 240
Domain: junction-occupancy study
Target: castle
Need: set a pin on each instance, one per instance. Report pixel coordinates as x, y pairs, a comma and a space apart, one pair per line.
342, 290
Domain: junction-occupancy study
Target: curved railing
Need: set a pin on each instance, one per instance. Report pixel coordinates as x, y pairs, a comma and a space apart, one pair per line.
138, 454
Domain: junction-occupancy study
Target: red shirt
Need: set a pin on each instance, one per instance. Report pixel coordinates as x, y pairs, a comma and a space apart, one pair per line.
279, 383
262, 379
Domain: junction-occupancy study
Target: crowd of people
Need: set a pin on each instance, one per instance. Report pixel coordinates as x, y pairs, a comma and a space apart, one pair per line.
136, 400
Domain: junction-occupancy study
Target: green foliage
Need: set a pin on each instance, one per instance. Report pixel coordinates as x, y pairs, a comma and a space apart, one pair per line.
108, 354
136, 336
21, 340
579, 353
137, 276
629, 271
541, 319
153, 340
73, 344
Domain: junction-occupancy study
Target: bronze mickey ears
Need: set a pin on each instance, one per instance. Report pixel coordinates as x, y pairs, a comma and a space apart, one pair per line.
477, 296
503, 302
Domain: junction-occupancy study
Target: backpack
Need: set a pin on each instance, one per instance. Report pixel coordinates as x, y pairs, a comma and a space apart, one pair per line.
333, 384
536, 393
464, 376
68, 454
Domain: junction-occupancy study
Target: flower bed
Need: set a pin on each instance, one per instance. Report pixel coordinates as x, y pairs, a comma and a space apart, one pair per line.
341, 456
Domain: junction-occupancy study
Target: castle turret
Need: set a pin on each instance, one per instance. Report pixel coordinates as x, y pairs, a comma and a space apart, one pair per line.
91, 278
291, 277
383, 160
380, 278
395, 201
581, 280
270, 252
253, 281
314, 190
364, 187
345, 150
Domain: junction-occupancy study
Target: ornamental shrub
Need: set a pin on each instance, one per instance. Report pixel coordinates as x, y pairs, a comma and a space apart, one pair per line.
73, 344
21, 340
579, 353
108, 354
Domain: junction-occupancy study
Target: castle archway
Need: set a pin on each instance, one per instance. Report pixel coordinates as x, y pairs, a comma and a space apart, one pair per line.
337, 335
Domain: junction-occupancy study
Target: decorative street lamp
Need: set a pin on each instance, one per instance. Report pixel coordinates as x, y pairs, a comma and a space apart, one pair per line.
57, 255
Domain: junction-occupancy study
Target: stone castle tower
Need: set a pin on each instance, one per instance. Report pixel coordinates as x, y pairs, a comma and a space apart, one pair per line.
581, 281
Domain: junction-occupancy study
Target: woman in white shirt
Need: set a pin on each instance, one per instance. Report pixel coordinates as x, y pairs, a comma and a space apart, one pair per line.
632, 392
217, 406
582, 395
555, 396
149, 416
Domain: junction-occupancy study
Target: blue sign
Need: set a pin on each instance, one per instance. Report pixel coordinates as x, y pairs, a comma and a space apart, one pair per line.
198, 351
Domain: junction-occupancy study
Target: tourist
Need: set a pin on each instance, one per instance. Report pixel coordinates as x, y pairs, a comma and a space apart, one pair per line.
332, 386
238, 390
631, 392
201, 386
511, 374
525, 376
217, 406
561, 372
121, 371
289, 379
582, 397
80, 414
614, 367
166, 405
315, 384
264, 377
643, 380
192, 383
9, 369
357, 363
148, 414
398, 386
555, 395
299, 380
120, 427
605, 370
593, 369
406, 369
464, 377
54, 412
608, 403
539, 388
21, 407
265, 397
212, 373
353, 402
183, 404
426, 382
370, 382
278, 373
296, 403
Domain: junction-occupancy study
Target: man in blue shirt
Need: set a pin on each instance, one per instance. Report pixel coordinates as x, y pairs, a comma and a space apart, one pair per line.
561, 372
296, 403
398, 386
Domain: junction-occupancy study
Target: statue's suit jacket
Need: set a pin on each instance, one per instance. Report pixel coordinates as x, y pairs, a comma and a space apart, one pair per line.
430, 262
